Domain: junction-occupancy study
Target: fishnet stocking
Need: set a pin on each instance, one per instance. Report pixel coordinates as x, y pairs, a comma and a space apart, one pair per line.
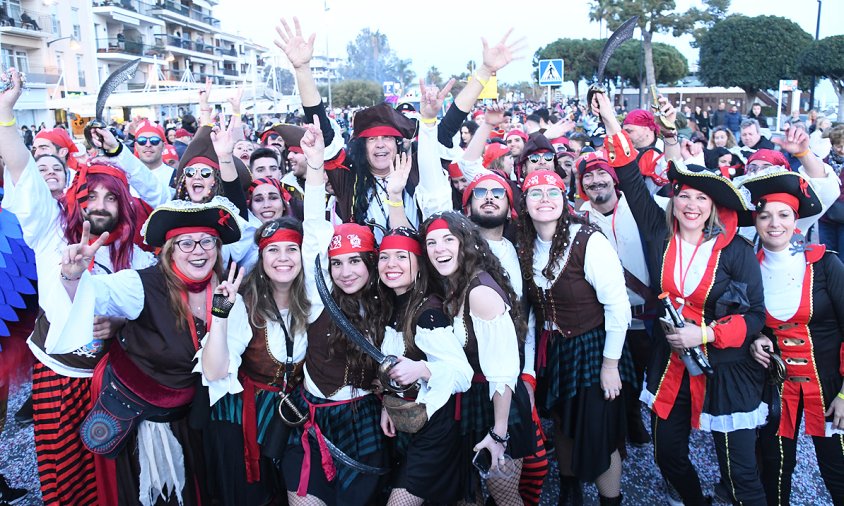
401, 497
506, 490
308, 500
609, 483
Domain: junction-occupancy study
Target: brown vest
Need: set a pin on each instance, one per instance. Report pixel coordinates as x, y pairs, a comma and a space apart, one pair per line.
470, 345
85, 357
571, 303
259, 365
331, 374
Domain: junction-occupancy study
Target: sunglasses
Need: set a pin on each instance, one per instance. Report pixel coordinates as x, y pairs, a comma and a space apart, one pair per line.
142, 141
482, 193
205, 172
534, 158
551, 194
188, 245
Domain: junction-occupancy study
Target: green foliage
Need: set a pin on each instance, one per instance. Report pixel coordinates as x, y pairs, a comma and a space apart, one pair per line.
434, 76
357, 93
751, 53
626, 64
371, 58
825, 58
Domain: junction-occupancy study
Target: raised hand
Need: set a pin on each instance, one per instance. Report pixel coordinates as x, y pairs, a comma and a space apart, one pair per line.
104, 139
223, 140
231, 285
796, 140
298, 50
431, 98
494, 114
205, 94
11, 82
77, 257
499, 55
313, 144
235, 100
399, 172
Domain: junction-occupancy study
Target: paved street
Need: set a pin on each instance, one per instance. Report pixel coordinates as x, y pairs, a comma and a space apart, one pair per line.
641, 485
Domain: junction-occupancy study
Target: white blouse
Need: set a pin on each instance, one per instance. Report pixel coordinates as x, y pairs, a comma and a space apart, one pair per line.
498, 349
782, 280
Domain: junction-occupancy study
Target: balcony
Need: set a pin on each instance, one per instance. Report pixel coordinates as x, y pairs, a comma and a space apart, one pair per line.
39, 76
129, 5
25, 23
186, 15
117, 49
187, 48
127, 11
198, 77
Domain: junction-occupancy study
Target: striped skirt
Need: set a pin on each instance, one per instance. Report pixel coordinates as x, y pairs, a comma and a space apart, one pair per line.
65, 466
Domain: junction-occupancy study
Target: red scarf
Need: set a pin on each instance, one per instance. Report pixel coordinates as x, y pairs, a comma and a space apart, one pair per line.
193, 285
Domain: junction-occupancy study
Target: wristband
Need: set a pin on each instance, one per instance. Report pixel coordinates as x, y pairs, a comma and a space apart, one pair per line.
221, 306
703, 333
112, 154
428, 121
394, 203
483, 83
840, 396
9, 123
236, 114
318, 167
498, 439
798, 155
65, 278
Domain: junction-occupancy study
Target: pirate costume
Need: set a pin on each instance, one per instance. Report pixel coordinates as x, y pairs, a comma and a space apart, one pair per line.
61, 381
804, 319
715, 283
429, 458
147, 387
337, 397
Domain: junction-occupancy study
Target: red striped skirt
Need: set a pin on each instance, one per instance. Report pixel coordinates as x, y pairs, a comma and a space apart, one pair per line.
65, 466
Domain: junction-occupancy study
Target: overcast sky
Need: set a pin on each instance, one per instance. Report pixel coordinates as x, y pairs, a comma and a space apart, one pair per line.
446, 33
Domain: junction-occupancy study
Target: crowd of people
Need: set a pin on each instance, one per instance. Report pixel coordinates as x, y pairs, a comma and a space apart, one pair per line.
381, 308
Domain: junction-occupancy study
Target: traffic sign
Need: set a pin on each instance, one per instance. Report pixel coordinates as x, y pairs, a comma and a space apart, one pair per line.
551, 72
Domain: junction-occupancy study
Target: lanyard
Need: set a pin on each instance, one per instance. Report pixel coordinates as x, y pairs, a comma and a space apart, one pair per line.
192, 323
691, 260
612, 224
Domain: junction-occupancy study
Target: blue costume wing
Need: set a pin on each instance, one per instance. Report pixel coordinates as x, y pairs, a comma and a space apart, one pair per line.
17, 271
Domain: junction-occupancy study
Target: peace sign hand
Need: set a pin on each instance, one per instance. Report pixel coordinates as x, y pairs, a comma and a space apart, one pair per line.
77, 257
230, 286
298, 50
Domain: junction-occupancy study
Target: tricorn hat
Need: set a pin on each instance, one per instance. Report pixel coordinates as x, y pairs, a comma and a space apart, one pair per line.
217, 217
382, 119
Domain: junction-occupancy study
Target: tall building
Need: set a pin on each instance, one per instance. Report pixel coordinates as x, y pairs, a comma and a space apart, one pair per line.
48, 40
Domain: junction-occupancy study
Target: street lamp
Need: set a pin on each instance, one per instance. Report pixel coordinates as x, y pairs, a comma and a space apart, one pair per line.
74, 44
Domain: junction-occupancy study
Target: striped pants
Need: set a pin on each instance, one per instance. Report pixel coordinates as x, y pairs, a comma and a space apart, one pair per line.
65, 466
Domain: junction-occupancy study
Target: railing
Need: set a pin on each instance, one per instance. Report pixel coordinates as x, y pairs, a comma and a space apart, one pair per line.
172, 40
37, 74
128, 47
130, 5
13, 16
191, 12
198, 77
222, 51
231, 72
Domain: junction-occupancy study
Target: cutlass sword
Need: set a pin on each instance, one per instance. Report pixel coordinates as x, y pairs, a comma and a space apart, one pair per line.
112, 82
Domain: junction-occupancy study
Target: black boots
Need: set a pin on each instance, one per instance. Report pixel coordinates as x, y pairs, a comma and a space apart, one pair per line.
9, 495
24, 415
571, 491
610, 501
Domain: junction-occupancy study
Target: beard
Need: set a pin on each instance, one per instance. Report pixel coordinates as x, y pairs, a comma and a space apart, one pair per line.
101, 225
486, 221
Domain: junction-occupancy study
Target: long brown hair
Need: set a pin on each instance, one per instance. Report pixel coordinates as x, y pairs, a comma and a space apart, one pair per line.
474, 257
559, 243
176, 287
257, 287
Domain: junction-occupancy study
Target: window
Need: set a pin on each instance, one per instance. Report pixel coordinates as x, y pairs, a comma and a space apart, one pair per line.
81, 66
54, 20
77, 28
17, 59
13, 8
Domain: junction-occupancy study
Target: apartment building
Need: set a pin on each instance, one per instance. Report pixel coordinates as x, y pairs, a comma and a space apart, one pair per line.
47, 39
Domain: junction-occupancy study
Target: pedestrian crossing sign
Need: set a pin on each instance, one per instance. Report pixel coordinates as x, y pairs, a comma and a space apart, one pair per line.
551, 72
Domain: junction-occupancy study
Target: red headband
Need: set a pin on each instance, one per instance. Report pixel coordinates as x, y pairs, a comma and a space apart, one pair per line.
378, 131
401, 242
202, 159
770, 156
351, 238
77, 194
517, 133
454, 171
542, 177
295, 149
59, 137
173, 232
493, 152
438, 224
467, 193
147, 127
280, 235
784, 198
266, 180
641, 117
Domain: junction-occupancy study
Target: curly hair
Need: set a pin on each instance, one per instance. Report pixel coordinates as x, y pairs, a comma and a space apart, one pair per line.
257, 287
364, 180
474, 257
559, 243
419, 293
367, 310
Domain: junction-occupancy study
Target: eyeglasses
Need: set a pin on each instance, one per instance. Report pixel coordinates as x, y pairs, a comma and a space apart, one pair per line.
482, 193
205, 172
188, 245
142, 141
535, 157
550, 194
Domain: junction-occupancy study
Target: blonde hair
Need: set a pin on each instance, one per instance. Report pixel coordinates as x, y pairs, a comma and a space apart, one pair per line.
713, 227
731, 139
